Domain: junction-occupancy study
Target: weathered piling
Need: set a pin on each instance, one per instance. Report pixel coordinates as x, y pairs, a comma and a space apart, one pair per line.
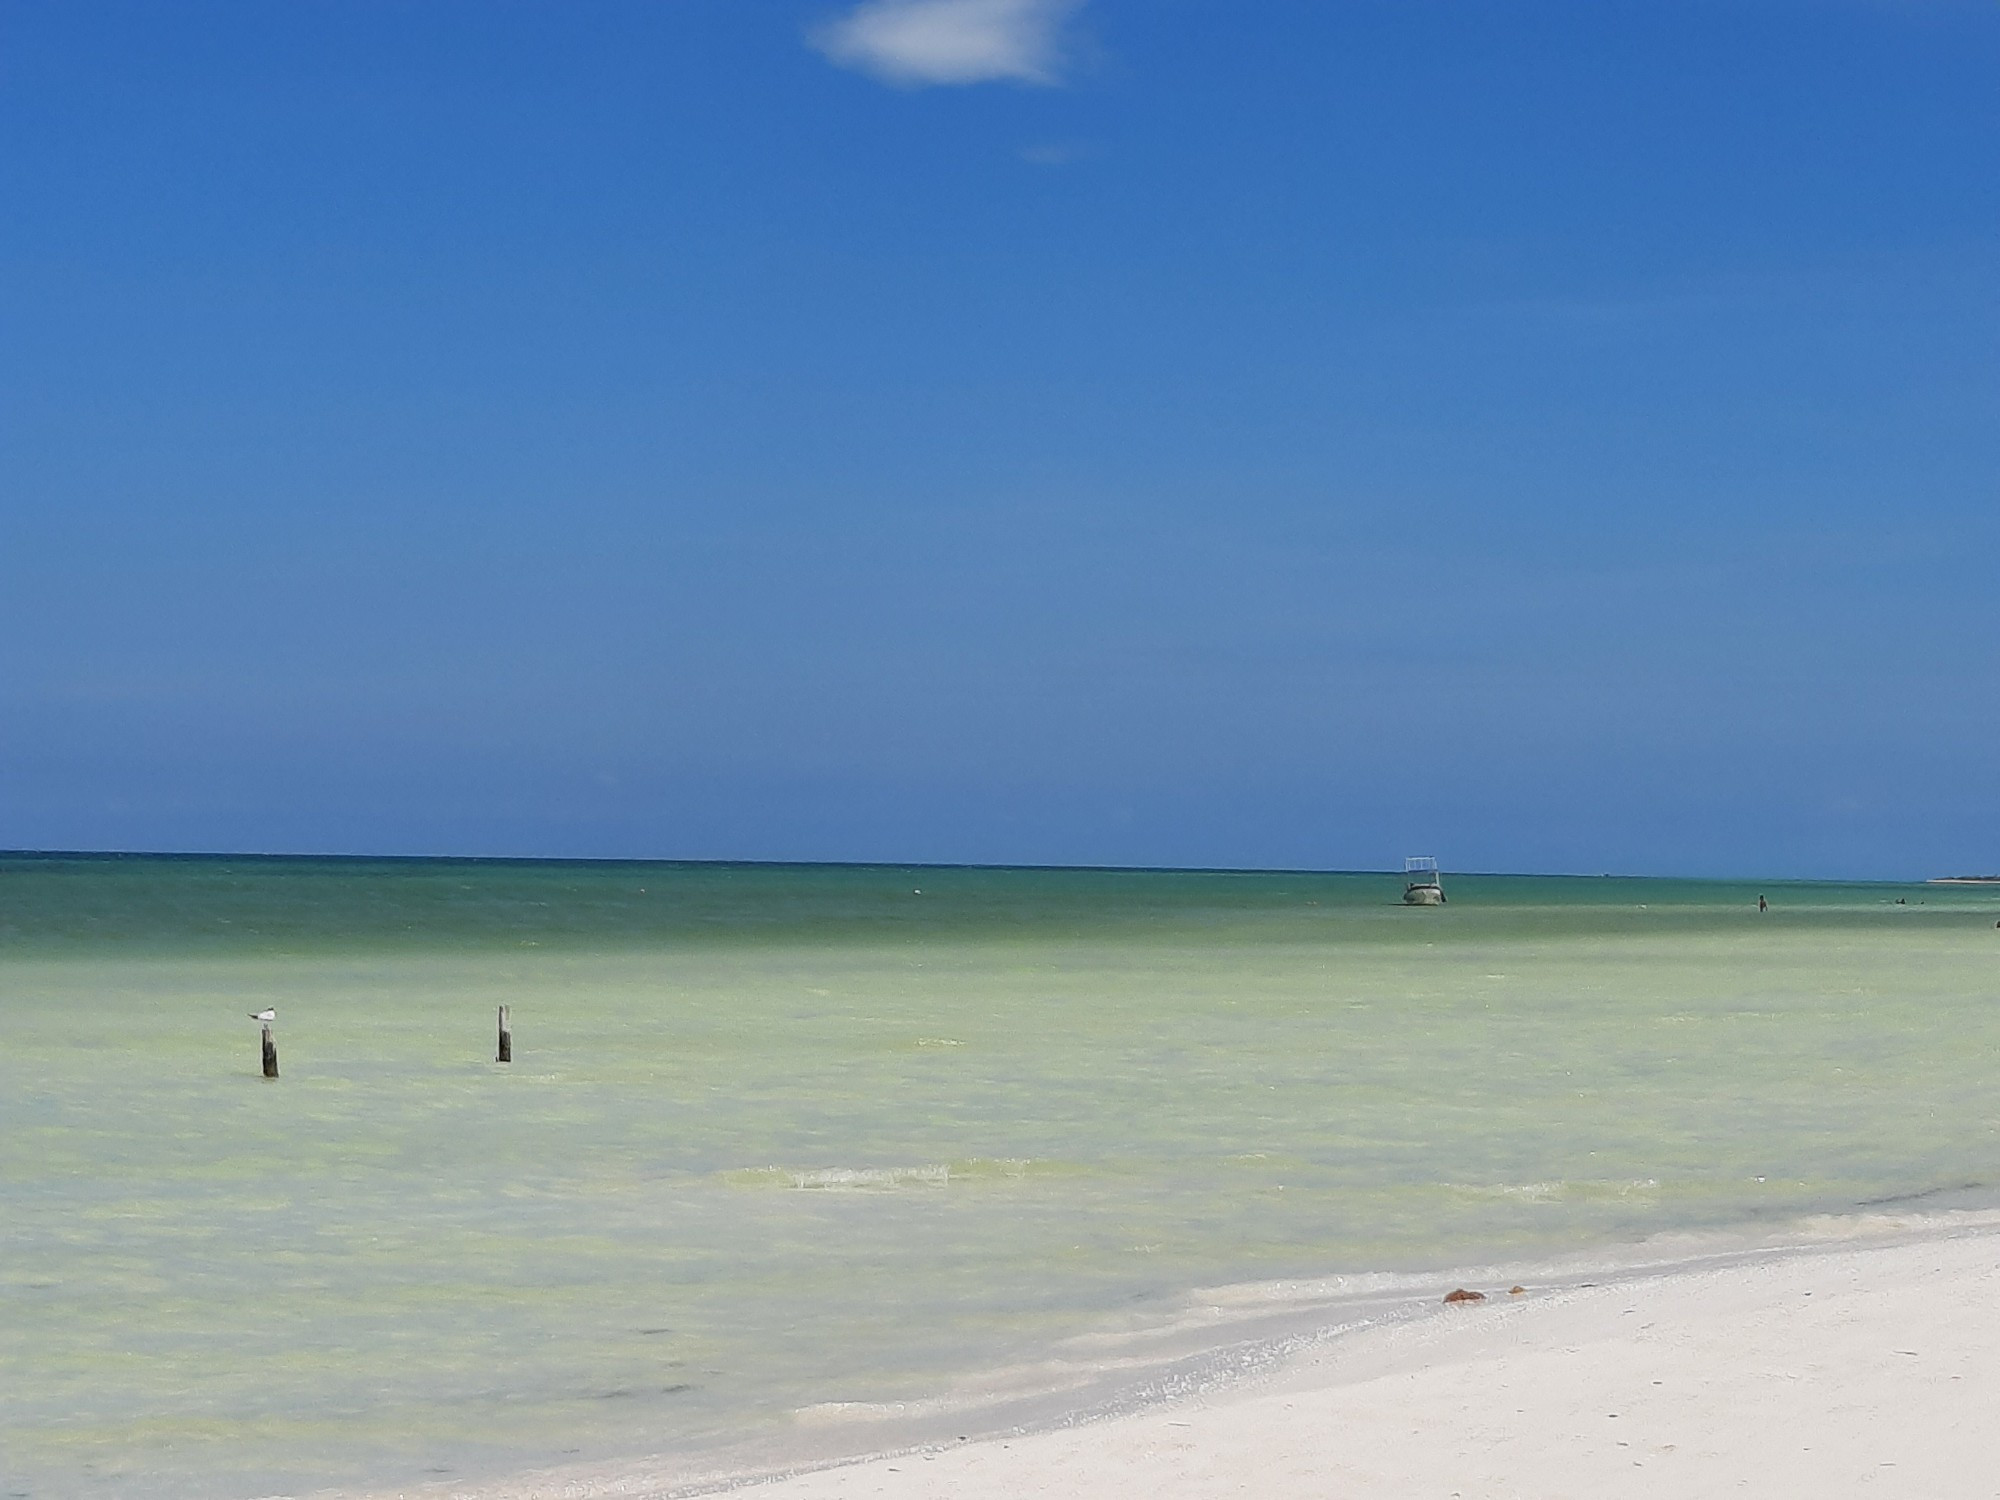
270, 1055
506, 1037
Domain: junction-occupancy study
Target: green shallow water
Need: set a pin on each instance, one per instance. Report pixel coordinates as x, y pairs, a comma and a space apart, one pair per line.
777, 1137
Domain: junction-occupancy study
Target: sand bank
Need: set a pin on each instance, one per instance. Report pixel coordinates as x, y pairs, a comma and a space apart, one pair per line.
1860, 1362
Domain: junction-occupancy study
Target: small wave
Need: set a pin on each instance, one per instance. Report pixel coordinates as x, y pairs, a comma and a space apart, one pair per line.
881, 1179
998, 1168
1920, 1195
1249, 1296
1564, 1189
832, 1413
977, 1390
839, 1179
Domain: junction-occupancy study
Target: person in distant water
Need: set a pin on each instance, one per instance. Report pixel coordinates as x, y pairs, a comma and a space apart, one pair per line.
1762, 904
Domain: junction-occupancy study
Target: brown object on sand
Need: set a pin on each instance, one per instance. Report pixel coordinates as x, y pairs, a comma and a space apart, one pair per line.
1517, 1291
1462, 1295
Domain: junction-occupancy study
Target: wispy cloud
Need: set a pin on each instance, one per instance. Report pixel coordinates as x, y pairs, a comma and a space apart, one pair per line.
950, 41
1057, 153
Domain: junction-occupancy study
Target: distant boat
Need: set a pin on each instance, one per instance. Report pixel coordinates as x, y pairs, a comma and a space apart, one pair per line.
1420, 876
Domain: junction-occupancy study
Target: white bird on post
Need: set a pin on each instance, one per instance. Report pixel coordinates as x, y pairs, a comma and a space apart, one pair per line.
267, 1016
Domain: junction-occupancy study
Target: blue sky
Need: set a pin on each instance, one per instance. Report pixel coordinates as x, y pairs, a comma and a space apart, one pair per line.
1559, 436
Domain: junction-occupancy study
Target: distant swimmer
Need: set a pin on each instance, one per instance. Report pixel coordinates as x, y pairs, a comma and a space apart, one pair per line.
263, 1015
1762, 904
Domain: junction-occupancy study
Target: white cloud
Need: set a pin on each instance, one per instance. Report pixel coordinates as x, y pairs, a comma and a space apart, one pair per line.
950, 41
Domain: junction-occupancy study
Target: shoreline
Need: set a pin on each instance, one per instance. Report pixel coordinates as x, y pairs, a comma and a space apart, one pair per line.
1377, 1382
1834, 1371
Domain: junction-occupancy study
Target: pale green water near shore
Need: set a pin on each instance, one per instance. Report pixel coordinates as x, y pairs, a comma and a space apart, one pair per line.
777, 1137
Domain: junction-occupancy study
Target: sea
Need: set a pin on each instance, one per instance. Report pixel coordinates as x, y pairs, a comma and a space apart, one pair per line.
786, 1153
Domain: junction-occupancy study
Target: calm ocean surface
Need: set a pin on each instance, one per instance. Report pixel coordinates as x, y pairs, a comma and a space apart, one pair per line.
777, 1138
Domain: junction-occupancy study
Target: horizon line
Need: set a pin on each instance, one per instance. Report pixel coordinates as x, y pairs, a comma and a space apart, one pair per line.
924, 864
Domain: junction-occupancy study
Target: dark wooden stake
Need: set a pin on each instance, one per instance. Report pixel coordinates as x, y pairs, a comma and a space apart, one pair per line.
270, 1055
506, 1037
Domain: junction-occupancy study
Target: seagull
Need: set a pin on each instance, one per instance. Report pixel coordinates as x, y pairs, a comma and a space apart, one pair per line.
263, 1015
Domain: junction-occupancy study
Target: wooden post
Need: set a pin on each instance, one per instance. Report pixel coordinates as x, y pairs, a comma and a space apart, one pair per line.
506, 1038
270, 1055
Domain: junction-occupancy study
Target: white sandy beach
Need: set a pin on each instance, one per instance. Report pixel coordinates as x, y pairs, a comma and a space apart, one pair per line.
1822, 1371
1854, 1372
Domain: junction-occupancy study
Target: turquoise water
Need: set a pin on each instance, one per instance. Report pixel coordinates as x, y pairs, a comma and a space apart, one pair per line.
780, 1137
